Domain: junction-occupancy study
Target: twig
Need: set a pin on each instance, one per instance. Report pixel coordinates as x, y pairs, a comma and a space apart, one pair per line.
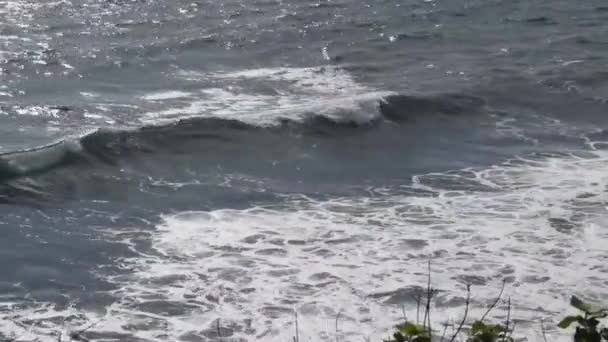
219, 331
418, 300
429, 294
466, 313
453, 326
512, 330
542, 329
337, 318
445, 329
502, 289
508, 320
297, 337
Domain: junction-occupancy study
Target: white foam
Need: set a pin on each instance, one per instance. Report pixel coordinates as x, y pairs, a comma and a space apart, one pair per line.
89, 94
37, 111
336, 256
297, 93
165, 95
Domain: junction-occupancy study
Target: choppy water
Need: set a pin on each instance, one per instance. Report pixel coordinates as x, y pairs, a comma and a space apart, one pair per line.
169, 164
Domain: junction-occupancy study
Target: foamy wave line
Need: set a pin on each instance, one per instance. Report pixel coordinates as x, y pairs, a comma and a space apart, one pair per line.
360, 257
297, 94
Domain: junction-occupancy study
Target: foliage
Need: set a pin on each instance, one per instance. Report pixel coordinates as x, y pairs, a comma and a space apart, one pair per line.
410, 332
480, 330
587, 329
486, 332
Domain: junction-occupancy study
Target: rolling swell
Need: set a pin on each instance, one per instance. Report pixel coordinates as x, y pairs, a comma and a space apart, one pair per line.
30, 162
195, 135
405, 108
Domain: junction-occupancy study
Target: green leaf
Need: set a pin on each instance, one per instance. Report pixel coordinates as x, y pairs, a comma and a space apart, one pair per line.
411, 329
579, 304
587, 308
580, 335
594, 337
422, 339
477, 327
498, 329
567, 321
398, 337
586, 335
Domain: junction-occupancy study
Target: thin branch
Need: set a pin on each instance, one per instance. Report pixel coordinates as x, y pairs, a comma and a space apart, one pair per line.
426, 323
502, 289
219, 331
453, 326
512, 330
445, 329
297, 337
337, 318
418, 301
508, 320
466, 314
542, 329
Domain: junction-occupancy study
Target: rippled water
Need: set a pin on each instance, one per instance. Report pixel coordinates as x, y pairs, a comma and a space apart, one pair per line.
169, 167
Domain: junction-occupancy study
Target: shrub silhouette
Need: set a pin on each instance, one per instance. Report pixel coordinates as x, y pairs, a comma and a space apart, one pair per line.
587, 323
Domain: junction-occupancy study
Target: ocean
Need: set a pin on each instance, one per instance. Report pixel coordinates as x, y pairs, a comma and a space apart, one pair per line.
203, 170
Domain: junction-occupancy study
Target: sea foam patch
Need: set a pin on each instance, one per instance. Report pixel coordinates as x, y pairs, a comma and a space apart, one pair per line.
266, 96
535, 222
165, 95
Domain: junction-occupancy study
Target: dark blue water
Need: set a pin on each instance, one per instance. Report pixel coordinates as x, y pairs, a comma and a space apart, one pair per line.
169, 164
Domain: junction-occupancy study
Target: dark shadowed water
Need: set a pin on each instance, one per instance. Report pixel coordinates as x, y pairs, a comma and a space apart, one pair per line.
169, 163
